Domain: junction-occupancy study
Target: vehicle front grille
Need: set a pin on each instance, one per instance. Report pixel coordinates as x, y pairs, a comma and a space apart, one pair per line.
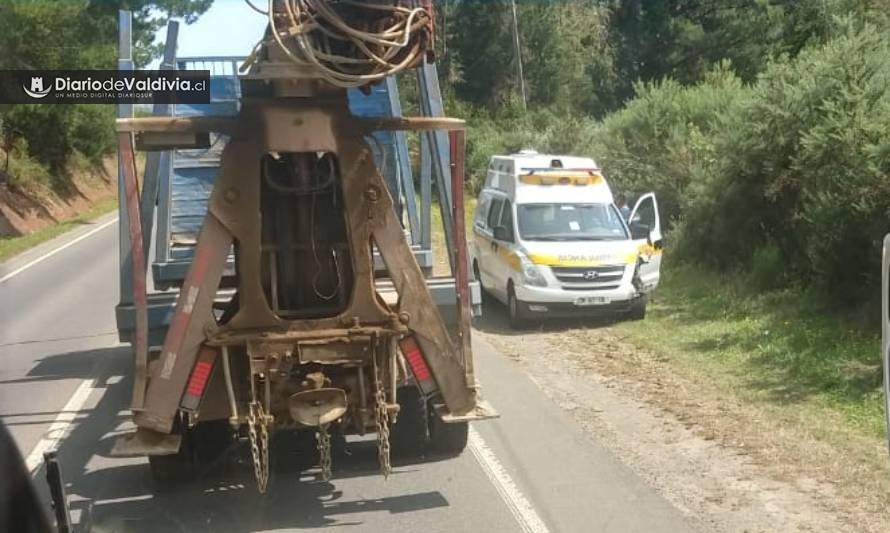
599, 278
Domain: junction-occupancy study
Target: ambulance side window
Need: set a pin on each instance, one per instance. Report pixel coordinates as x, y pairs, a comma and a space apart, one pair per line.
482, 211
507, 219
494, 213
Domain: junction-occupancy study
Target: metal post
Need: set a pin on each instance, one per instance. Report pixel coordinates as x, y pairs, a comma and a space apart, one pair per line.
403, 161
518, 46
426, 193
154, 161
457, 140
431, 105
124, 110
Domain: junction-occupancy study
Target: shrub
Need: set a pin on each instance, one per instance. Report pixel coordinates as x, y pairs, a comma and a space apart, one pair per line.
662, 141
805, 165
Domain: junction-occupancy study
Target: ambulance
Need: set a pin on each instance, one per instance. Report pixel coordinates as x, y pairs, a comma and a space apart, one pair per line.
549, 241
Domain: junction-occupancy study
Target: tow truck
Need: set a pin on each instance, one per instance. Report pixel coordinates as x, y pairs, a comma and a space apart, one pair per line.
292, 273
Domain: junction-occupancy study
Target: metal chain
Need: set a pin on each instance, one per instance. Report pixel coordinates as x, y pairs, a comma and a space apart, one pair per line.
382, 420
324, 452
259, 444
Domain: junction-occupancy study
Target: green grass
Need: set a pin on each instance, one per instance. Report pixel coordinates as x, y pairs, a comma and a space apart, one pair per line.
775, 348
11, 246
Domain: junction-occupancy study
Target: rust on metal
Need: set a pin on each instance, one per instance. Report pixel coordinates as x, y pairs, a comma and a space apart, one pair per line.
137, 259
461, 261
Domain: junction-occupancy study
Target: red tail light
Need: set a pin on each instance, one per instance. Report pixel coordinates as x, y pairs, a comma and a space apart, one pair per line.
414, 356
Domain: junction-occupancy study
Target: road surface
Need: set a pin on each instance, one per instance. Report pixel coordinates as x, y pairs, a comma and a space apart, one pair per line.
63, 385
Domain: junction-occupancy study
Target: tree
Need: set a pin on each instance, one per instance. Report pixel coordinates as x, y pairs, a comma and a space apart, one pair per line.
564, 45
53, 35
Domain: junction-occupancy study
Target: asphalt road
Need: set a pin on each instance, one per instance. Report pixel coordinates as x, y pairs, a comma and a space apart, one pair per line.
63, 385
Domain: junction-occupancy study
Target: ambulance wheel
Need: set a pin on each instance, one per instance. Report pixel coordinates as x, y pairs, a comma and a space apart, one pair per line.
409, 433
638, 310
514, 309
448, 440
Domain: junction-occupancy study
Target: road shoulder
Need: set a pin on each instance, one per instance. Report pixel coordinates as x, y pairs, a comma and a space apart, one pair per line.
726, 487
45, 248
574, 482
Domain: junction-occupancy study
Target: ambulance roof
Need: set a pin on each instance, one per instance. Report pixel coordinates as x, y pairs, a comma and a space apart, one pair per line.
529, 177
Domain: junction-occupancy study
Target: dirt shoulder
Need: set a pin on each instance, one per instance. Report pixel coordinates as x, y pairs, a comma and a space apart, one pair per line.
24, 211
730, 464
36, 213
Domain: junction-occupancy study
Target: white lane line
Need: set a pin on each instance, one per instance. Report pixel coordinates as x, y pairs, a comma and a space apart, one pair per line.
511, 494
56, 250
60, 427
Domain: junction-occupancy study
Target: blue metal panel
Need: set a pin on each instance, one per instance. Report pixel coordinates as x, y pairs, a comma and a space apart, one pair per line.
191, 191
189, 183
225, 99
377, 104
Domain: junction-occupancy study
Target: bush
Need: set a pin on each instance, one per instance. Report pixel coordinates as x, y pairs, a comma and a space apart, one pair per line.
805, 164
55, 132
662, 141
24, 172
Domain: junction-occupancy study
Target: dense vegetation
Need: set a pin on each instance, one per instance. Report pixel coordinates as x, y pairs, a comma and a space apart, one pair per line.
763, 126
72, 35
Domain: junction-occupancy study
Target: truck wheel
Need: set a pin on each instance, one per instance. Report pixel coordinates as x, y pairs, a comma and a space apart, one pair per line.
210, 440
174, 468
637, 310
448, 440
514, 310
409, 433
171, 469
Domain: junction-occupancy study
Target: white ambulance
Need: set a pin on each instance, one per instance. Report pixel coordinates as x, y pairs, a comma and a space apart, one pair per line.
549, 240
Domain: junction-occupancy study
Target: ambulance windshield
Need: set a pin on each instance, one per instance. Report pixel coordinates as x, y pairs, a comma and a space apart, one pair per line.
570, 222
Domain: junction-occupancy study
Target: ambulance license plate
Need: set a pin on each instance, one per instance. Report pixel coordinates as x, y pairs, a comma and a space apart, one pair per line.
585, 301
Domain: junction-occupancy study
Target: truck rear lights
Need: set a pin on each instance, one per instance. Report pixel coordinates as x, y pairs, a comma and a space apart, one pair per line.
199, 378
414, 357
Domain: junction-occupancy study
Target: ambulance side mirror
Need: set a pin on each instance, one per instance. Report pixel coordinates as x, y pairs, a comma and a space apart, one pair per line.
639, 231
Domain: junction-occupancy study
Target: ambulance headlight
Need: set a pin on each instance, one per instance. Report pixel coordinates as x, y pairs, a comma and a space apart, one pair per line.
532, 275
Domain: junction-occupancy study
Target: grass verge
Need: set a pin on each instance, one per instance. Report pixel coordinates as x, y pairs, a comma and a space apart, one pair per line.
11, 246
770, 348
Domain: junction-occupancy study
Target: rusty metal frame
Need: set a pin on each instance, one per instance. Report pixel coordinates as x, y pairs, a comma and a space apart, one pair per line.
233, 216
457, 141
127, 165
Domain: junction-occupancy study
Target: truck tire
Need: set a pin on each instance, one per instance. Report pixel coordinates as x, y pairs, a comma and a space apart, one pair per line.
171, 469
210, 440
514, 310
409, 433
448, 440
202, 446
174, 468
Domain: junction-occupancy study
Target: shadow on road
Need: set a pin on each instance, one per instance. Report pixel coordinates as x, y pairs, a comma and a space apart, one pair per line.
70, 365
494, 320
118, 495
